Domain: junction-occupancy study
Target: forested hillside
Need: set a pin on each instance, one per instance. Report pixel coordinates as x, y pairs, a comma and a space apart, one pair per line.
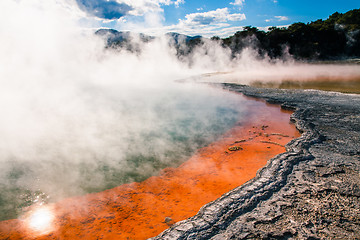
337, 37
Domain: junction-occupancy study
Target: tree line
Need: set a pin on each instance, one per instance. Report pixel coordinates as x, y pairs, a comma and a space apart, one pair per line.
333, 38
337, 37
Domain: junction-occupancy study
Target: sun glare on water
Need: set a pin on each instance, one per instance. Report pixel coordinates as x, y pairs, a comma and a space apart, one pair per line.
41, 220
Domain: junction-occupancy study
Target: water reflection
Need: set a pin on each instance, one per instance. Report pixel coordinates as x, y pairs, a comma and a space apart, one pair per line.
40, 220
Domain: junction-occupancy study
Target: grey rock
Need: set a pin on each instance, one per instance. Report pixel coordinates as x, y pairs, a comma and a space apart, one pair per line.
312, 191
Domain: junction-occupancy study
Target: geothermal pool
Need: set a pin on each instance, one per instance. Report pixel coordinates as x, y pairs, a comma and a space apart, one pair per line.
204, 143
131, 139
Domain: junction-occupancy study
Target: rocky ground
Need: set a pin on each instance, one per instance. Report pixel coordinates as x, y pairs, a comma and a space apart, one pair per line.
310, 192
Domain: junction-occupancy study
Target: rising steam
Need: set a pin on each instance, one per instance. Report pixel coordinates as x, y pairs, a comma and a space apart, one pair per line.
77, 118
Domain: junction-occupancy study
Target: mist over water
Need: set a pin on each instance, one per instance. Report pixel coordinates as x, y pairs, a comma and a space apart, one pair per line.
76, 118
128, 140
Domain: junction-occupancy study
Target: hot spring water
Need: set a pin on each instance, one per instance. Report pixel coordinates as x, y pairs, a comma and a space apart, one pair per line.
146, 131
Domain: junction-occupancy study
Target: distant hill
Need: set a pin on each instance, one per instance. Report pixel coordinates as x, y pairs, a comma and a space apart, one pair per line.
183, 44
123, 40
180, 38
335, 38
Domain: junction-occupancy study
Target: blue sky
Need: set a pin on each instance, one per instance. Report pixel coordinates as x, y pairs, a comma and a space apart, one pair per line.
207, 18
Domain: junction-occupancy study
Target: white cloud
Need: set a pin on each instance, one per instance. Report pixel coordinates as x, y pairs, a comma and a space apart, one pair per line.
236, 17
212, 17
219, 29
227, 31
178, 2
239, 3
277, 19
141, 7
144, 14
218, 22
147, 16
282, 18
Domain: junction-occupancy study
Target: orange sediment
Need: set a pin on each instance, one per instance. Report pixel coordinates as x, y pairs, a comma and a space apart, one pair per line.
145, 209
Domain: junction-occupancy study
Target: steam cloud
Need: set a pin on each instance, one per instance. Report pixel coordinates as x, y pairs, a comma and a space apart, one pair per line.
77, 118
